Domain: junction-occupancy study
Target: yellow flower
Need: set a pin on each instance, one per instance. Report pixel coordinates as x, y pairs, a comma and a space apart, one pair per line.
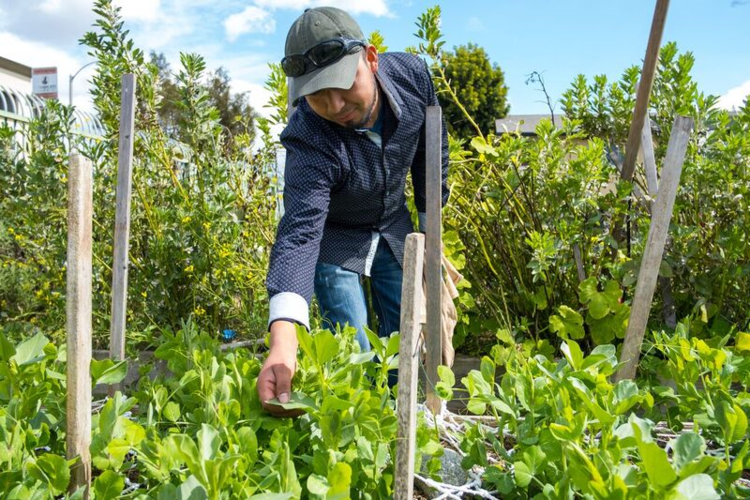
186, 219
199, 311
144, 294
189, 269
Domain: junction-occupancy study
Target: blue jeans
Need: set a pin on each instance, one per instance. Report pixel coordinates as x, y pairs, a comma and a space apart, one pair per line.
342, 299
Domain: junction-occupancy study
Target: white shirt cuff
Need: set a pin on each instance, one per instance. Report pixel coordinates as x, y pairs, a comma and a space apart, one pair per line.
289, 306
422, 216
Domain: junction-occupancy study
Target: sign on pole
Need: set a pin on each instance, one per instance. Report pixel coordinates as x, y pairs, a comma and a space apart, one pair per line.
44, 82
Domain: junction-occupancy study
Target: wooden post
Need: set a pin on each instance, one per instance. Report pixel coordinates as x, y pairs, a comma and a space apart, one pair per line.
411, 296
579, 263
433, 261
657, 237
649, 161
122, 222
78, 326
644, 88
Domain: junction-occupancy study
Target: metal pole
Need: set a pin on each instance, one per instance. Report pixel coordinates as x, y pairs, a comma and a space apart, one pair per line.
72, 77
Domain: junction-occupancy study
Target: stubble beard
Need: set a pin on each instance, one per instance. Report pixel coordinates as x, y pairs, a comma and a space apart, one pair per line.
370, 109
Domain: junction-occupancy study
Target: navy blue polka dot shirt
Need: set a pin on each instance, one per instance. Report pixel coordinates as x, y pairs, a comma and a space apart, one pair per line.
341, 188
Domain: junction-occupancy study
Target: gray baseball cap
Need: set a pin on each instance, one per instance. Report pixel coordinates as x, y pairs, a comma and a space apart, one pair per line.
311, 28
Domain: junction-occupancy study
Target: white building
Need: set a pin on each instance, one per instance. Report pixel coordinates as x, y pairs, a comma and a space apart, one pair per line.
18, 105
15, 76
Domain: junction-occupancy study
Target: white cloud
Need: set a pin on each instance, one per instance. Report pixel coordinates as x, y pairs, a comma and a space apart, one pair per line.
735, 97
475, 24
50, 6
139, 10
56, 22
377, 8
251, 20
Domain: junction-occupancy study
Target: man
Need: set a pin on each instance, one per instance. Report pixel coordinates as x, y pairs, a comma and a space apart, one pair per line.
357, 131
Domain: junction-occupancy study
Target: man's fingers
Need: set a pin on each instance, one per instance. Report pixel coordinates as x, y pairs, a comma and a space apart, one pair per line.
266, 386
283, 375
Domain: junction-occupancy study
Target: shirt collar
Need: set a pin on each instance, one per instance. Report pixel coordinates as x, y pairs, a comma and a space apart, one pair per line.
394, 99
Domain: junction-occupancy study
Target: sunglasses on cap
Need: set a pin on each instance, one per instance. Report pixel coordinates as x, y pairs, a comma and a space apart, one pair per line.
320, 55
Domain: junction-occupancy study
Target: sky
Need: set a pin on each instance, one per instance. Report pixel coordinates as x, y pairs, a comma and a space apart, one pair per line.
557, 38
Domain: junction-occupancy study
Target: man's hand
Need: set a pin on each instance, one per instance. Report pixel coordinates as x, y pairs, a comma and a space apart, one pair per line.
275, 378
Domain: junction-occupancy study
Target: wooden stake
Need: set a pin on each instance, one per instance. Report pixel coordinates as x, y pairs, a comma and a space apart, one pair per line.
579, 263
411, 297
433, 261
78, 326
649, 161
644, 88
657, 237
122, 222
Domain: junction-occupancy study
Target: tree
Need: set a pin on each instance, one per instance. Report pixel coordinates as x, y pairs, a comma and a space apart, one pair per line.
237, 116
480, 87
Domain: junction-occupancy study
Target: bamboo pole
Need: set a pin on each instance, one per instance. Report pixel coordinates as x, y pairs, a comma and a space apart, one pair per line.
657, 237
644, 88
411, 297
433, 244
78, 325
122, 222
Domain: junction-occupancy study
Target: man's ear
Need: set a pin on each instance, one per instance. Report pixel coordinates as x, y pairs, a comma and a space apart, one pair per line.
371, 57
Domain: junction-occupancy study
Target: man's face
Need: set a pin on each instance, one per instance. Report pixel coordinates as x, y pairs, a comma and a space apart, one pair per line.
355, 107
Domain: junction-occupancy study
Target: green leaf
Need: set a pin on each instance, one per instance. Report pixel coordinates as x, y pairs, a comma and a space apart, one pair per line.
171, 411
209, 442
697, 487
340, 479
686, 448
7, 350
446, 375
107, 371
569, 324
31, 350
482, 147
317, 485
51, 470
192, 489
476, 406
665, 270
248, 442
297, 401
732, 420
326, 346
743, 342
572, 353
487, 368
109, 485
522, 474
655, 461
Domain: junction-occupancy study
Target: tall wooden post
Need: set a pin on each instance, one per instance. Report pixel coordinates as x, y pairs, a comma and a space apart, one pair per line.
644, 88
122, 221
78, 325
411, 296
433, 263
652, 255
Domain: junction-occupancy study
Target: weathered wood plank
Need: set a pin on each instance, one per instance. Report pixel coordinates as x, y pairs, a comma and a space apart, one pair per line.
649, 161
657, 237
411, 297
78, 325
433, 262
122, 221
644, 88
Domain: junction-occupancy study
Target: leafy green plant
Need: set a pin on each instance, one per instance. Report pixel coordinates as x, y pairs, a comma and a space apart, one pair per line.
563, 430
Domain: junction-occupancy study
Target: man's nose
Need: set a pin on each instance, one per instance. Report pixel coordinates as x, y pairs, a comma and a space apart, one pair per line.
335, 101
